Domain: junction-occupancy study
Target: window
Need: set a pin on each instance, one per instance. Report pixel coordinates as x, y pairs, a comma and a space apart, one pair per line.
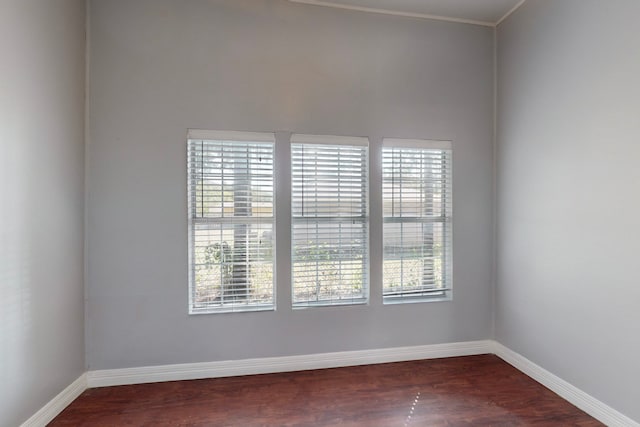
416, 193
330, 220
231, 221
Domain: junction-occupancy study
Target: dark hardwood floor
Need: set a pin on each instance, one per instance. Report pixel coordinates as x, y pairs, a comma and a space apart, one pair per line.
461, 391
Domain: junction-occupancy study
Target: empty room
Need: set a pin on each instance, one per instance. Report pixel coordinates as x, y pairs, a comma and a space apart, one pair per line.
319, 213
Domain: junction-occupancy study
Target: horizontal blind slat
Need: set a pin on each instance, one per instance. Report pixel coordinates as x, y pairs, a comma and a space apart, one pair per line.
329, 208
231, 210
417, 206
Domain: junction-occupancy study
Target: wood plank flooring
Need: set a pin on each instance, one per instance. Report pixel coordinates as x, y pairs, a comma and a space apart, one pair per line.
461, 391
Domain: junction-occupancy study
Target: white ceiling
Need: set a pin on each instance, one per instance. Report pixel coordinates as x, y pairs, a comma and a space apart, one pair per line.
484, 12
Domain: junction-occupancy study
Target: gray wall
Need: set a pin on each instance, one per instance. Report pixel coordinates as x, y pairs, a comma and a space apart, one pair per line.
569, 207
41, 202
159, 67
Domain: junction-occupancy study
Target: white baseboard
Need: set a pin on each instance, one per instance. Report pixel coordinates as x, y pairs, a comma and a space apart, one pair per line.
579, 398
190, 371
56, 405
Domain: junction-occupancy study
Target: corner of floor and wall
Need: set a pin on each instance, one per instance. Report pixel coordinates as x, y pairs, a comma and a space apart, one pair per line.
93, 289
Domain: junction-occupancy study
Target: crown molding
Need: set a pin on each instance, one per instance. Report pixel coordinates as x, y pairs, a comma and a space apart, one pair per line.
510, 12
395, 12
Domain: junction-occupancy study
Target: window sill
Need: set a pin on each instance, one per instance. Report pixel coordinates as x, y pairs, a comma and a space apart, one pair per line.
339, 303
231, 309
413, 300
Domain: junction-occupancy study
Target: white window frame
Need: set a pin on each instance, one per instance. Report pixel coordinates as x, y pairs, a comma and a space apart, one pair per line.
319, 140
441, 291
227, 136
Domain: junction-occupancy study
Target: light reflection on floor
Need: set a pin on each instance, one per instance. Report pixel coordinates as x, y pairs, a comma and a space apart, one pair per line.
413, 408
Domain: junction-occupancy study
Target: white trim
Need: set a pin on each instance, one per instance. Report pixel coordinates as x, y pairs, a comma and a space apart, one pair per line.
228, 368
298, 138
416, 143
510, 12
395, 12
56, 405
567, 391
224, 135
188, 371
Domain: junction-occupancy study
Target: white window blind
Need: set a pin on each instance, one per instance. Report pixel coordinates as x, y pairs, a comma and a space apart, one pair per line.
416, 193
231, 221
330, 220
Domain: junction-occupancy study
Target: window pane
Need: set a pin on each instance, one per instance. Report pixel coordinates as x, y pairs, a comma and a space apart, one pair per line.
417, 223
233, 264
330, 223
329, 262
231, 225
